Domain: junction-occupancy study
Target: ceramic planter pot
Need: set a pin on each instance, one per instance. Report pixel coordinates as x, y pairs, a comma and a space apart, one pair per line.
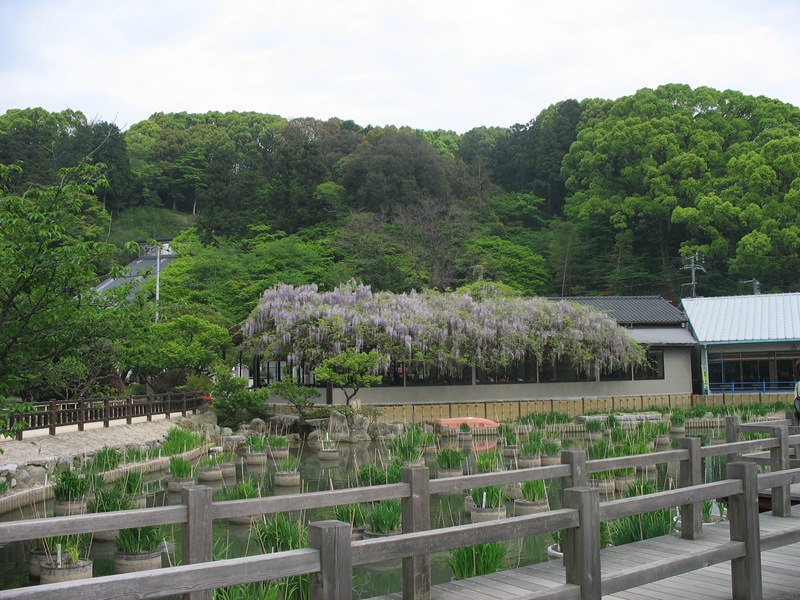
176, 484
529, 507
209, 474
444, 473
328, 454
257, 458
287, 478
481, 515
605, 485
529, 462
69, 507
69, 571
125, 562
35, 558
278, 453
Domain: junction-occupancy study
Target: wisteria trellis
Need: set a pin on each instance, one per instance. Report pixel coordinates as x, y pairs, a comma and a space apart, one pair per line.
450, 330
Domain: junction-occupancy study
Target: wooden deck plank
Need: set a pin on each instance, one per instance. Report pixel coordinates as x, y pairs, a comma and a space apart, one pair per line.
780, 575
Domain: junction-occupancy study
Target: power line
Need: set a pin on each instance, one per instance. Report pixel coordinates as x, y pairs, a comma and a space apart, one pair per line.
695, 264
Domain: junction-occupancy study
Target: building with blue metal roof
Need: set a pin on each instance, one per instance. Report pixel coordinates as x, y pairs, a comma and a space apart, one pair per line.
747, 343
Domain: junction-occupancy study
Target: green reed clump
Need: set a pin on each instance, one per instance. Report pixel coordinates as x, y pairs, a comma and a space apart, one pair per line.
180, 467
178, 441
644, 526
450, 458
492, 496
385, 516
472, 561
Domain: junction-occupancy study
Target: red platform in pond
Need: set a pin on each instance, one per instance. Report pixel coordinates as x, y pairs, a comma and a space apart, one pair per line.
473, 422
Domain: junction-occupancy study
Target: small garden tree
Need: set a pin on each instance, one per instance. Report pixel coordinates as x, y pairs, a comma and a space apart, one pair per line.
351, 370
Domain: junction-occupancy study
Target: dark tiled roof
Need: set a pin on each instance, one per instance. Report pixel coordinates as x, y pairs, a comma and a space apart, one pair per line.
634, 310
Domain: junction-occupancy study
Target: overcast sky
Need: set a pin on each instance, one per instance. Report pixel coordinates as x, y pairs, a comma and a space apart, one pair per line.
430, 64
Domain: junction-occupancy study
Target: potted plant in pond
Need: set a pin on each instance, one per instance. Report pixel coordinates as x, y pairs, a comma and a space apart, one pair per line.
287, 474
353, 514
66, 559
662, 433
428, 443
594, 428
490, 461
677, 420
534, 498
70, 490
464, 433
550, 450
384, 518
133, 483
530, 450
139, 549
208, 468
109, 498
181, 474
277, 447
326, 449
508, 438
489, 503
226, 464
244, 490
257, 450
449, 463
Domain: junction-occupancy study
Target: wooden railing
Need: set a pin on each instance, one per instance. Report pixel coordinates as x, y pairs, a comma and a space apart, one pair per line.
331, 556
80, 411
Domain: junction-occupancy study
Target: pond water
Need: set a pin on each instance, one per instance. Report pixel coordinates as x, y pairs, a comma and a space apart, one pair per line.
233, 540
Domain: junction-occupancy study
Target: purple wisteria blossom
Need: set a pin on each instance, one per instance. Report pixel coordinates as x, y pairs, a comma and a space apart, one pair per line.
450, 330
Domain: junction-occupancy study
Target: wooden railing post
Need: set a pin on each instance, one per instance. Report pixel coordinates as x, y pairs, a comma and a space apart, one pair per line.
335, 578
779, 461
106, 412
744, 527
582, 543
577, 477
416, 517
129, 410
690, 473
53, 417
197, 532
81, 413
733, 434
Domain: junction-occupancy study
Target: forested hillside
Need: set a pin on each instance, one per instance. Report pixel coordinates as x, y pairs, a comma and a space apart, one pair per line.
589, 197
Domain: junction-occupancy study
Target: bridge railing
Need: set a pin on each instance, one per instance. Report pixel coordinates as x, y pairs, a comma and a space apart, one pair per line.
80, 411
331, 556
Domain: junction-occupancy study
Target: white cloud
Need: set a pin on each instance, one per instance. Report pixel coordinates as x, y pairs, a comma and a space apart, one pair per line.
441, 64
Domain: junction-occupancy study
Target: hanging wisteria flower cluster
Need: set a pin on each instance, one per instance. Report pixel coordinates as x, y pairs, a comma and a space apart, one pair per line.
450, 330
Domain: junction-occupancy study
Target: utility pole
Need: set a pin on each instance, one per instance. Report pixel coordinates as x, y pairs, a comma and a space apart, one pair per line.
695, 264
756, 286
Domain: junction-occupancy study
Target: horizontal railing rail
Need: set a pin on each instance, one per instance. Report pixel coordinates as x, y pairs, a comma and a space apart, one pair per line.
331, 556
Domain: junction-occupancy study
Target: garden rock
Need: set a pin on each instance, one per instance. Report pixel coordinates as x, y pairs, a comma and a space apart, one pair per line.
338, 429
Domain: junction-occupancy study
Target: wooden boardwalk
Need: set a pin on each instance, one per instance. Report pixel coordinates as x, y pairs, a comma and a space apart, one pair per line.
780, 571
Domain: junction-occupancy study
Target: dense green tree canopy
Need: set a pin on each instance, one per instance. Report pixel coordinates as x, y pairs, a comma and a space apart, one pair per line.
592, 196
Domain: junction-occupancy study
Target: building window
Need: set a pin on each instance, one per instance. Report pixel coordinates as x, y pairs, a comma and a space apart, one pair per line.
653, 368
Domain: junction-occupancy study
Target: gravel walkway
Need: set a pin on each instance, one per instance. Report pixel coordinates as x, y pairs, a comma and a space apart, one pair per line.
43, 449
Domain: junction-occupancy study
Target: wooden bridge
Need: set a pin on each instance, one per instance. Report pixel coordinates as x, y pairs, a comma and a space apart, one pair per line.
752, 557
